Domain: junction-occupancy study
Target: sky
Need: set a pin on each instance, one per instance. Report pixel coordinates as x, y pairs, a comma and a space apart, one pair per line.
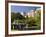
15, 8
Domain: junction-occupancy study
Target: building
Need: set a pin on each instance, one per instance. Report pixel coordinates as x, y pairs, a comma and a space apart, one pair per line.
31, 13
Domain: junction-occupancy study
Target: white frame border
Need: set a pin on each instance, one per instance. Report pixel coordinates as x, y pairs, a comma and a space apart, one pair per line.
23, 32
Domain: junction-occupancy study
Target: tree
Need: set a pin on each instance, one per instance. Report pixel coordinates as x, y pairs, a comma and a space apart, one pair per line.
16, 16
12, 16
38, 18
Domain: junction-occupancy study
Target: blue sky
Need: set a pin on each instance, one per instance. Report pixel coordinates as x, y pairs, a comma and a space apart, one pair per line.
22, 8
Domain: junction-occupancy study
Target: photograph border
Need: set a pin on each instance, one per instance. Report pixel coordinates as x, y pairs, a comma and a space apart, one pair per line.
6, 17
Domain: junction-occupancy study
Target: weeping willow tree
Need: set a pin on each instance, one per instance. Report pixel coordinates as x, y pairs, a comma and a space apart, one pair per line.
38, 19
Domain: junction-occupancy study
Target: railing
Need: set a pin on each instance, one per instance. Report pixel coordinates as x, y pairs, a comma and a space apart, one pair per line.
23, 27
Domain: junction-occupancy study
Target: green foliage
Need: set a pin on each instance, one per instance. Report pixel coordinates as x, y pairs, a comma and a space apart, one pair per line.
12, 17
16, 16
20, 21
38, 19
31, 21
34, 21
